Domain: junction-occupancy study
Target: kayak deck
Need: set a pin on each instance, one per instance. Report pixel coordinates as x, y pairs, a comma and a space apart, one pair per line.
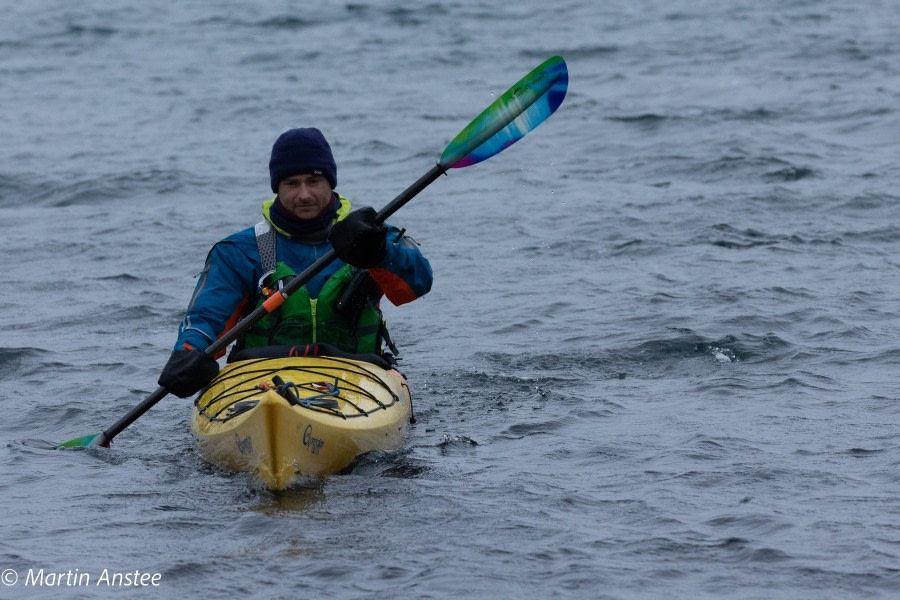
280, 418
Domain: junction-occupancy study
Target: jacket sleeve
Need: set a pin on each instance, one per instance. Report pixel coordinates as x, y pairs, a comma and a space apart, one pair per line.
405, 273
220, 298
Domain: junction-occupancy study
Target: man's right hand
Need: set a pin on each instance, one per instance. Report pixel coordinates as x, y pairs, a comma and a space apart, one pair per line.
359, 239
187, 372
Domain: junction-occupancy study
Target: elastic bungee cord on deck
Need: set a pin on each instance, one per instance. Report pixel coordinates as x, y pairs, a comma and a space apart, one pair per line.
238, 398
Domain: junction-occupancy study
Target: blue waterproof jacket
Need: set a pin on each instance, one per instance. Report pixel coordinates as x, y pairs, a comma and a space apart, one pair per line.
228, 288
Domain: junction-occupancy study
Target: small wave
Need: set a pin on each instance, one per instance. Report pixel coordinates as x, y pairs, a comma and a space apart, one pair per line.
755, 167
533, 372
804, 381
742, 239
680, 16
275, 58
872, 201
703, 115
864, 452
101, 189
34, 443
13, 361
826, 48
663, 298
574, 54
352, 7
644, 118
547, 373
732, 245
579, 249
13, 188
396, 463
76, 32
521, 326
688, 345
107, 319
888, 356
57, 417
376, 147
413, 17
121, 277
858, 332
88, 30
639, 247
882, 235
643, 122
753, 114
745, 524
789, 174
285, 22
792, 292
405, 471
706, 447
456, 443
765, 555
521, 430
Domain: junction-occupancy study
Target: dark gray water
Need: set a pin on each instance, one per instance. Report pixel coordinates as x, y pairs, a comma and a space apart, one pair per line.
660, 359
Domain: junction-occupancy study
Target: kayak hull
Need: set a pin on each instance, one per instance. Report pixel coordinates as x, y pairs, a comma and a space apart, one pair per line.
282, 418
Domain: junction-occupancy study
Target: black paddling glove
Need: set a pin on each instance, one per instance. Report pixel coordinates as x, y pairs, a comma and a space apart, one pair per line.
359, 239
187, 372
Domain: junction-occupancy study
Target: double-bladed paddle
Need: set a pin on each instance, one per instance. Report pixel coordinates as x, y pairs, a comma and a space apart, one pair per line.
508, 119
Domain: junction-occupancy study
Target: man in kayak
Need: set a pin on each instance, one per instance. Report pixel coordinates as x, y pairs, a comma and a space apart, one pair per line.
339, 306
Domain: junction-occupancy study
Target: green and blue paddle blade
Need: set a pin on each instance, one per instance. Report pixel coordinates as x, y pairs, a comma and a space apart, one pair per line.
85, 440
508, 119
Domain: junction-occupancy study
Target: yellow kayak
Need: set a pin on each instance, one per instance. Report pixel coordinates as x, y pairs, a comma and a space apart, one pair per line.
280, 418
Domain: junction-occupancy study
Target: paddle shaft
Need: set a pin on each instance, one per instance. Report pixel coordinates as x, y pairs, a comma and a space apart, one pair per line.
250, 320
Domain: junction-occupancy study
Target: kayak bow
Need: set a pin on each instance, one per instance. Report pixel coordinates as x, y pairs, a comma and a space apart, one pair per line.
282, 418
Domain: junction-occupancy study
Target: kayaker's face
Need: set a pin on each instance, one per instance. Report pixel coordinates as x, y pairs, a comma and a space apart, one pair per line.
305, 196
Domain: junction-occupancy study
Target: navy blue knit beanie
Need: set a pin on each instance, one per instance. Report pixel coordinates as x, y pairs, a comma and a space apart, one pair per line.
300, 152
